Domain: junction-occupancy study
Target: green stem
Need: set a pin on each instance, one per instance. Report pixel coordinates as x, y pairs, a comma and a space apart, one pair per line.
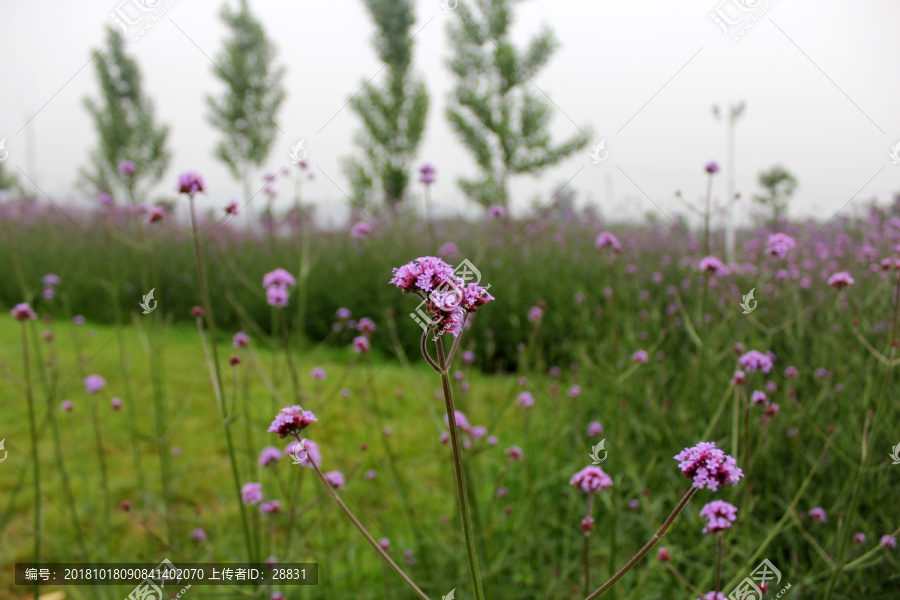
460, 476
719, 565
643, 551
207, 307
34, 453
362, 528
101, 454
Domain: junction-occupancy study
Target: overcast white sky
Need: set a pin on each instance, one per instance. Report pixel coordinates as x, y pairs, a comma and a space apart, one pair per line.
819, 78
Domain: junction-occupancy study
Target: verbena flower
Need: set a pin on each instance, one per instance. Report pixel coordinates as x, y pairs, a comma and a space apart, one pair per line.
639, 357
587, 525
269, 455
711, 167
525, 399
116, 403
755, 360
708, 466
232, 208
713, 595
308, 454
426, 174
366, 325
713, 265
888, 541
291, 420
272, 506
240, 340
198, 535
360, 230
841, 280
461, 421
594, 429
318, 373
818, 514
719, 514
447, 297
23, 312
361, 344
93, 384
496, 211
591, 479
663, 554
67, 405
335, 478
190, 183
251, 493
778, 244
608, 240
278, 277
126, 167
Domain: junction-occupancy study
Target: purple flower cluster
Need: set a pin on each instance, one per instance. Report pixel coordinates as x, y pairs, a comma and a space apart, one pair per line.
448, 298
190, 183
608, 240
755, 360
291, 420
591, 479
277, 283
778, 244
719, 514
714, 266
708, 466
426, 174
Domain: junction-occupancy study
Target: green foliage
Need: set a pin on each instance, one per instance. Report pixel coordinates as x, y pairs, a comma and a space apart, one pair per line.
123, 119
393, 113
8, 180
495, 107
245, 114
779, 185
530, 535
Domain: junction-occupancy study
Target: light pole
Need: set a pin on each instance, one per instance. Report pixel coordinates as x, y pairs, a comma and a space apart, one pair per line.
734, 113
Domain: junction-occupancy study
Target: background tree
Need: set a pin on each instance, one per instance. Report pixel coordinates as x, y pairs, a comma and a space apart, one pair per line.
493, 108
8, 182
123, 119
245, 114
779, 185
393, 114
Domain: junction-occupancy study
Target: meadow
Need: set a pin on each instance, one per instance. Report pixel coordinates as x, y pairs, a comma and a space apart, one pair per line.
624, 333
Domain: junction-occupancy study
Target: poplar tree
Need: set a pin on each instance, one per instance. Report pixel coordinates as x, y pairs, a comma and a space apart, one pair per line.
392, 113
495, 108
124, 121
245, 113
